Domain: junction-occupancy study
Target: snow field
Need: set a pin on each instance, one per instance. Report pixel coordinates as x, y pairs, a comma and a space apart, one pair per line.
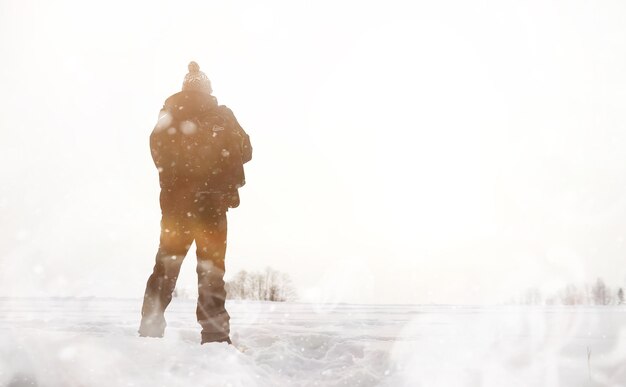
93, 342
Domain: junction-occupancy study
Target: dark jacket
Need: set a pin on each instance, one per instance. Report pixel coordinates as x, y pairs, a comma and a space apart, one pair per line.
199, 146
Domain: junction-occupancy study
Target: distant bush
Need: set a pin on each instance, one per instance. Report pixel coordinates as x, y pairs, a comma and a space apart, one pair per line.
267, 285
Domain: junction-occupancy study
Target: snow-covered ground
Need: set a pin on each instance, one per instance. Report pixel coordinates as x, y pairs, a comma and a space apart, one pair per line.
93, 342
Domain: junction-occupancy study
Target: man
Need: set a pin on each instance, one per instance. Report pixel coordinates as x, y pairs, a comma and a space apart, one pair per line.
199, 149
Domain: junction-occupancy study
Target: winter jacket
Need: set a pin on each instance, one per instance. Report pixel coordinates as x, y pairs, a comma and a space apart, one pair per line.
199, 146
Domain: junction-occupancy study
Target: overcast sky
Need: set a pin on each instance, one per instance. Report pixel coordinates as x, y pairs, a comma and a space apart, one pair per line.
404, 152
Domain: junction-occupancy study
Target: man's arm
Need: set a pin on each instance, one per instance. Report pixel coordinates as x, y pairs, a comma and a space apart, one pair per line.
164, 149
246, 151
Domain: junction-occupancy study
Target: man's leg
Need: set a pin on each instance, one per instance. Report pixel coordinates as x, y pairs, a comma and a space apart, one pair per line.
176, 237
211, 250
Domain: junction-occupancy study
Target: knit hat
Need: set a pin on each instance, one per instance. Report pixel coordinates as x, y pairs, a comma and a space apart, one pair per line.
196, 79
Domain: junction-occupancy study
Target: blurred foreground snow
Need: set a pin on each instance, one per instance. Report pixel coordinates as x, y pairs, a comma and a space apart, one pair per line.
93, 342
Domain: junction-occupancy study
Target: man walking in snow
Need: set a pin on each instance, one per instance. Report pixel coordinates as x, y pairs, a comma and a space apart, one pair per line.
199, 149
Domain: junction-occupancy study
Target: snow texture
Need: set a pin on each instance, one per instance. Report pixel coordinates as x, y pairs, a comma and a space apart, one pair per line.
93, 342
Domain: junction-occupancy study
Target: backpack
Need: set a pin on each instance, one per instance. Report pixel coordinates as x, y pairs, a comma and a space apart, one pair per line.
196, 145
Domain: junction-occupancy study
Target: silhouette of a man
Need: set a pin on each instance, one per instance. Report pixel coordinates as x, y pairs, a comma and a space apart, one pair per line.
199, 149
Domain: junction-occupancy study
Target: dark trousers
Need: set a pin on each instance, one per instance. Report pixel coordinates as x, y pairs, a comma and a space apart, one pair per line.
188, 217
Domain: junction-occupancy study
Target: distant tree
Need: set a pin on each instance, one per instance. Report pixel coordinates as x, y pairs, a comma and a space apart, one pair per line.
269, 285
587, 296
239, 287
600, 293
552, 300
183, 293
571, 295
256, 287
532, 297
597, 293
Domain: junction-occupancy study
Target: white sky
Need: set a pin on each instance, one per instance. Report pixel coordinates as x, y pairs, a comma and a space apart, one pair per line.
404, 152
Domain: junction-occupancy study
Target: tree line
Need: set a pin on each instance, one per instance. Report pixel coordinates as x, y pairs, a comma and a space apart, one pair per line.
597, 293
266, 285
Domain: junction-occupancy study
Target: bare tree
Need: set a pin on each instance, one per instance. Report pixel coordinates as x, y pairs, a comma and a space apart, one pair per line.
588, 297
532, 296
239, 286
600, 293
268, 285
184, 293
571, 295
597, 293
